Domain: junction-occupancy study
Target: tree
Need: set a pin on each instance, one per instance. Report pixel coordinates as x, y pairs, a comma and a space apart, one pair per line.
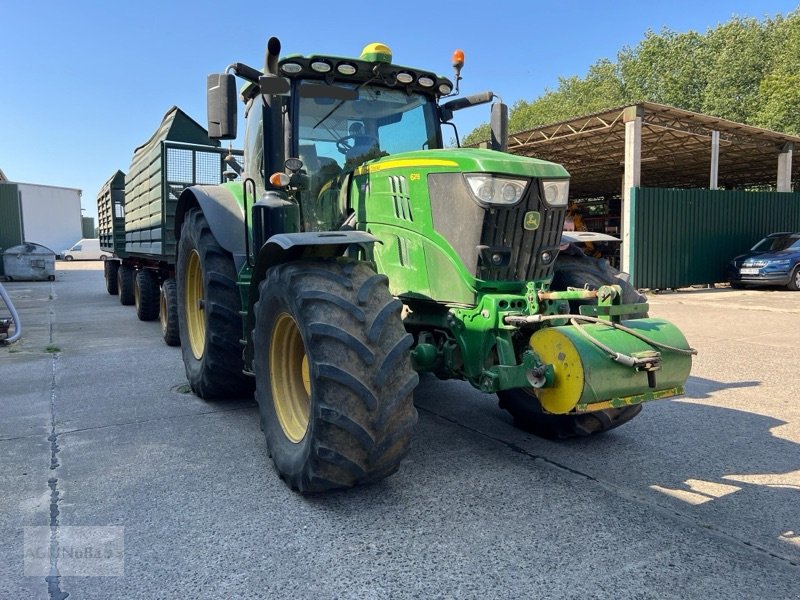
744, 70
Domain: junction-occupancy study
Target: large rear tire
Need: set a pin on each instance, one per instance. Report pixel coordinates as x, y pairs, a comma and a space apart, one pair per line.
576, 271
145, 294
110, 268
334, 381
125, 281
168, 313
208, 313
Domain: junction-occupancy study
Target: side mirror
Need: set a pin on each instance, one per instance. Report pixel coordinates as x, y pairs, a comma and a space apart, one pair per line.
221, 107
499, 126
272, 85
448, 108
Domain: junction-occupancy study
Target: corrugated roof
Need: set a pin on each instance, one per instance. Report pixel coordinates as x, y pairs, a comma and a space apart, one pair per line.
676, 150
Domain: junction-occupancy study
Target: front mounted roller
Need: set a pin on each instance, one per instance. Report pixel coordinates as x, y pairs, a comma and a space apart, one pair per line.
334, 381
208, 313
573, 270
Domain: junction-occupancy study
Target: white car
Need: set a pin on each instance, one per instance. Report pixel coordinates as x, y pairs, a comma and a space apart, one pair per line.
86, 249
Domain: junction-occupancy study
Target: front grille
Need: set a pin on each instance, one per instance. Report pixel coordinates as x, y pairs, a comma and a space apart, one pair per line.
503, 228
468, 228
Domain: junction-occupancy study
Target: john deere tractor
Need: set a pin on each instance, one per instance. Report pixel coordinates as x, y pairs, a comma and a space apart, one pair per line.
354, 251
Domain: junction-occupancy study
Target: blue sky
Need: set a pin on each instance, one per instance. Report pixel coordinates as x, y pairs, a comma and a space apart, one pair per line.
83, 83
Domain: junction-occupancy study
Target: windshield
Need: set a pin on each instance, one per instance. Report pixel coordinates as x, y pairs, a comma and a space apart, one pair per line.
776, 244
378, 122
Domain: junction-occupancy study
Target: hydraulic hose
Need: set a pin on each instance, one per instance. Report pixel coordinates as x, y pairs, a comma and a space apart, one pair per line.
621, 358
14, 317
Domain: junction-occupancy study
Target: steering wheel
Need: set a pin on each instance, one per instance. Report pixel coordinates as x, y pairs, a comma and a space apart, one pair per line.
348, 142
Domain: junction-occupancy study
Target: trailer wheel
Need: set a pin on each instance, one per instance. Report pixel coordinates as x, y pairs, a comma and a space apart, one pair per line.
334, 381
145, 294
210, 325
125, 282
168, 312
529, 415
110, 269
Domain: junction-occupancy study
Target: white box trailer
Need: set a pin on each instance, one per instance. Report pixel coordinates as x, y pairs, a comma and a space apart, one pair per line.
51, 216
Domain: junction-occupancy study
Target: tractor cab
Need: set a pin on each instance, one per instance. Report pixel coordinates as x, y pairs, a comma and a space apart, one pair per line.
333, 114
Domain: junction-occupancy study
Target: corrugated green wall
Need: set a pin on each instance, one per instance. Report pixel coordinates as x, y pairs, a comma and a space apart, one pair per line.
686, 237
10, 219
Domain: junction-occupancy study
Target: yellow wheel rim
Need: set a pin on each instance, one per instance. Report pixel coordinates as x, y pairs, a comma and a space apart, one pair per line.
194, 302
162, 311
291, 378
137, 294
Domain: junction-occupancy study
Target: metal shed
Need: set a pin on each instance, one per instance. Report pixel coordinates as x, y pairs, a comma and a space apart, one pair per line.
612, 154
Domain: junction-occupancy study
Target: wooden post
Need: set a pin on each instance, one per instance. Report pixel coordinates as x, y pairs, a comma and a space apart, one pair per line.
632, 177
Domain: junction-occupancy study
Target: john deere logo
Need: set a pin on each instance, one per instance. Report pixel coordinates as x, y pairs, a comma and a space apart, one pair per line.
532, 219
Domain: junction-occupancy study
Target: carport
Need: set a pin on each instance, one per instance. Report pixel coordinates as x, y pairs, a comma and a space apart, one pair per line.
673, 183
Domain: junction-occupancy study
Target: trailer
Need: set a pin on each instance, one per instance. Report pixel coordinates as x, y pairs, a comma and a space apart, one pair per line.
136, 214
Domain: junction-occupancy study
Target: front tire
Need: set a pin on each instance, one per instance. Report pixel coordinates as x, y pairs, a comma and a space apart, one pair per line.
334, 381
208, 313
529, 415
579, 271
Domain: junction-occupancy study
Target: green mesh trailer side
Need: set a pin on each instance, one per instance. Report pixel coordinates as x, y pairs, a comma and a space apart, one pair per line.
178, 155
111, 215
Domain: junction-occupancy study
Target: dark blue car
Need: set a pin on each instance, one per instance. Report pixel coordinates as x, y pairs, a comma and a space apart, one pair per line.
775, 260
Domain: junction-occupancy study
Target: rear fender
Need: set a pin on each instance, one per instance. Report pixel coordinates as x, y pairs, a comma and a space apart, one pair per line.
223, 213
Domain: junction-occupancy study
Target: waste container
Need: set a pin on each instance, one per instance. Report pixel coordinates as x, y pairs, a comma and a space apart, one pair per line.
29, 262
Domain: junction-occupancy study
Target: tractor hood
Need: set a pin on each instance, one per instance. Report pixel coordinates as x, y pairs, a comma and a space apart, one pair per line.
468, 160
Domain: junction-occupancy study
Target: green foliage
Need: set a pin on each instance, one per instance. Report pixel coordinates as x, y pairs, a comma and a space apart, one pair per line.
744, 70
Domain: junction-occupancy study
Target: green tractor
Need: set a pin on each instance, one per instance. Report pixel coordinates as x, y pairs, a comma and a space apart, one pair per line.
354, 251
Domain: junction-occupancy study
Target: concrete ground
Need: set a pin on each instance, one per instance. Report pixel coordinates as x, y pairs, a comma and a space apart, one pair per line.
695, 498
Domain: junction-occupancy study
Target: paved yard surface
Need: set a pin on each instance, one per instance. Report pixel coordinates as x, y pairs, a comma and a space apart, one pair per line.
696, 498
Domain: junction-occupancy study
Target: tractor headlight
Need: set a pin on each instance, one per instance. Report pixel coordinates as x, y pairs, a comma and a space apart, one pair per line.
556, 191
496, 190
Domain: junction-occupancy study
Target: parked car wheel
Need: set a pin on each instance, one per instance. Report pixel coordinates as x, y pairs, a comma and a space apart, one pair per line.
794, 281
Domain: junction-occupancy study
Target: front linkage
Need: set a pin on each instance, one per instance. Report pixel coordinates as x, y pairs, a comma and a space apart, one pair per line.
570, 362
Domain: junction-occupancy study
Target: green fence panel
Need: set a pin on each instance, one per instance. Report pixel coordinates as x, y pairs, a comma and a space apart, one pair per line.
10, 219
687, 237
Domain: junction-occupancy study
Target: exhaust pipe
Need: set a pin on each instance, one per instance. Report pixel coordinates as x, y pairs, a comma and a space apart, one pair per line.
271, 58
